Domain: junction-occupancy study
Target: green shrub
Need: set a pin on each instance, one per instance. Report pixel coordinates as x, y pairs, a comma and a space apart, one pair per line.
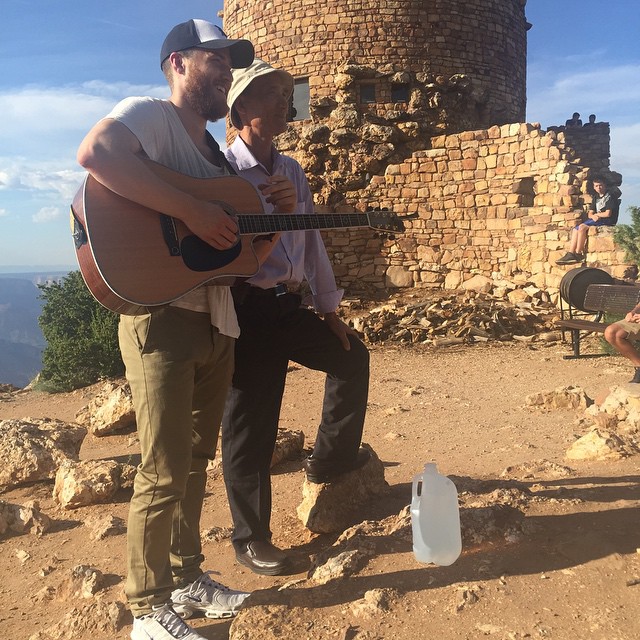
610, 317
627, 236
81, 335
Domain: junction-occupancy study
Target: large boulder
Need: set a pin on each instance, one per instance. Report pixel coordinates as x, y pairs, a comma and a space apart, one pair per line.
289, 446
329, 508
23, 518
561, 398
32, 449
597, 445
89, 482
110, 410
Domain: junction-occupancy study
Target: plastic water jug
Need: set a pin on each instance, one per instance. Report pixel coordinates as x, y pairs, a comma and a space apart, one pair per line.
435, 518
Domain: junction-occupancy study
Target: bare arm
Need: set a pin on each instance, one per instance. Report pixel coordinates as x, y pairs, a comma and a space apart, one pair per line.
633, 315
112, 155
602, 214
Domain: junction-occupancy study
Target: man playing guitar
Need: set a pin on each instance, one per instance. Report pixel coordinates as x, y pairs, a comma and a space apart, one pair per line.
179, 359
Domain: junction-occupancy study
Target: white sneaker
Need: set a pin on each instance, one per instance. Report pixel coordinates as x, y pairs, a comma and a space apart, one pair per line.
209, 597
163, 624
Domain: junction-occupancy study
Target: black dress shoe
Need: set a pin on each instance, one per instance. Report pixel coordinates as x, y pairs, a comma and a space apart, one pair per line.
263, 558
324, 471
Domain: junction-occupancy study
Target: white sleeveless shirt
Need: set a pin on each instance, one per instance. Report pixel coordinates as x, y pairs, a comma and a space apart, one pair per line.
163, 138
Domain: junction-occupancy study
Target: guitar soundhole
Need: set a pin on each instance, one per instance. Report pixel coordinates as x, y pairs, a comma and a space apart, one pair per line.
197, 255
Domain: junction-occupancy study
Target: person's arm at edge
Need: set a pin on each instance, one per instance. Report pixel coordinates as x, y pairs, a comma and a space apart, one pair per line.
633, 315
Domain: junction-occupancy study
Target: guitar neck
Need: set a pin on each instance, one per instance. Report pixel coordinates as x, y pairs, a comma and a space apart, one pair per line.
272, 223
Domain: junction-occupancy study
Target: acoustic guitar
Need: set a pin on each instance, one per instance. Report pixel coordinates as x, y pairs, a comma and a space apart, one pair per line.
132, 257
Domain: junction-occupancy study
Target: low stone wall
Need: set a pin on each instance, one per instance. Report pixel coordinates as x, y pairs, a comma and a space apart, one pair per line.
498, 202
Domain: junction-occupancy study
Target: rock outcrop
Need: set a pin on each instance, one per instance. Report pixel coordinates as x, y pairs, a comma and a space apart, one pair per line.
328, 508
32, 449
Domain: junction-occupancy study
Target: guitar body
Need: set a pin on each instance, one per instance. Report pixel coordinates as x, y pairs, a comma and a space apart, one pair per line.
125, 259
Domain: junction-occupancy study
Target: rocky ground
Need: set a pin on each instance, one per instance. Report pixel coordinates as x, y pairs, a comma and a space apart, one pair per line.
550, 528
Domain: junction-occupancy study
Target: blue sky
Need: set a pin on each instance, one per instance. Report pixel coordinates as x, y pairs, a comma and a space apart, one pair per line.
67, 62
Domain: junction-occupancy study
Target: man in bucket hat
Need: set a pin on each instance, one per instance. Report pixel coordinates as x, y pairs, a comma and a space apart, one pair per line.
179, 358
276, 329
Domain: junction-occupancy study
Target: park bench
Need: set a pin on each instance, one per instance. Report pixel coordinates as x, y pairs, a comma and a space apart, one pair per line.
599, 300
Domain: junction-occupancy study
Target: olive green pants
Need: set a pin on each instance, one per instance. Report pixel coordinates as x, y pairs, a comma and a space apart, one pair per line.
179, 369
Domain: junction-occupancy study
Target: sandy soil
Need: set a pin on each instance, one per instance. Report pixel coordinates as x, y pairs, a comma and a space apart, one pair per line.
573, 576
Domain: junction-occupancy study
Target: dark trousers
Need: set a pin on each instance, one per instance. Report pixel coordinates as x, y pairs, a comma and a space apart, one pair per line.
274, 331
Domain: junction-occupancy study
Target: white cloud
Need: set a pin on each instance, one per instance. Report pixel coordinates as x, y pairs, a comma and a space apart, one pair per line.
33, 109
123, 89
625, 158
42, 127
626, 140
20, 174
7, 179
40, 131
47, 214
65, 182
605, 88
607, 92
3, 213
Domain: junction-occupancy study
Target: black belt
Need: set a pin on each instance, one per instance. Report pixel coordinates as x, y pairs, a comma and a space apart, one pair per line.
243, 291
278, 290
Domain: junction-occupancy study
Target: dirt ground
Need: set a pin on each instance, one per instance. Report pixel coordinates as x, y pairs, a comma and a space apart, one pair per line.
575, 575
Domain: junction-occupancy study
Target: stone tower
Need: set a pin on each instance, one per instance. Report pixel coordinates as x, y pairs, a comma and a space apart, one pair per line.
375, 79
418, 106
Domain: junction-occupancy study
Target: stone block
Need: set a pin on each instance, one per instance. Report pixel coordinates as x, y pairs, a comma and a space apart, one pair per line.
398, 277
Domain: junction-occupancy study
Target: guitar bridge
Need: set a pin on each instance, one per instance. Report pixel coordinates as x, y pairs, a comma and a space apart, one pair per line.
170, 235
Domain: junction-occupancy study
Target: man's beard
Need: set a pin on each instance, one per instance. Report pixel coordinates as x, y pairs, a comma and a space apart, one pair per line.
204, 98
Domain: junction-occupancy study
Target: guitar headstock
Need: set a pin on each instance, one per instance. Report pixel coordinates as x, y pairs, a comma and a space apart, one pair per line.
387, 221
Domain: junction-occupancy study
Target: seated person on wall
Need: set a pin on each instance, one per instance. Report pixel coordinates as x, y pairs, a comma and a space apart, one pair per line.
621, 336
574, 121
592, 120
603, 212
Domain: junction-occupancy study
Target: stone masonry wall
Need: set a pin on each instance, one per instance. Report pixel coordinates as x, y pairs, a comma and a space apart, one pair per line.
590, 145
485, 39
498, 202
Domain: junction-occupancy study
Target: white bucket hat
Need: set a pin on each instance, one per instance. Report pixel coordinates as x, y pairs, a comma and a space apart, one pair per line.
242, 78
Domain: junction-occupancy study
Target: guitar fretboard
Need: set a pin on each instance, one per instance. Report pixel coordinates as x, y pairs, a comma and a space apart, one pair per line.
270, 223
